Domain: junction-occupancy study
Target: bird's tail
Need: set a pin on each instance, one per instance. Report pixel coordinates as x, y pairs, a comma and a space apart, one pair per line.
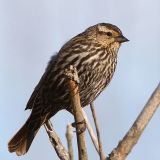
22, 140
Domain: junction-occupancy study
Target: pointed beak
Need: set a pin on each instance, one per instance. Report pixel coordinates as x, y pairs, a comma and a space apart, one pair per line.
121, 39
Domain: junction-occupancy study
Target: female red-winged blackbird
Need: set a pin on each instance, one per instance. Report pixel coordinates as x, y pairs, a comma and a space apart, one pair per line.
94, 54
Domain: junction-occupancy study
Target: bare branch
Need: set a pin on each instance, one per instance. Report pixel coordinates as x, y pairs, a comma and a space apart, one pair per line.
132, 136
101, 154
69, 136
73, 81
56, 143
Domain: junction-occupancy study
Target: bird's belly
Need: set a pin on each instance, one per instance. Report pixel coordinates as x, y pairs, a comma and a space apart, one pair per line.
92, 83
89, 91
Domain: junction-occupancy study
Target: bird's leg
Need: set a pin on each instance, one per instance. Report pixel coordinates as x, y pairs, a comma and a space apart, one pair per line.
83, 126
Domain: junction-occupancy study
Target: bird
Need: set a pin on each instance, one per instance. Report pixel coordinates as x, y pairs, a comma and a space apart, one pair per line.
94, 54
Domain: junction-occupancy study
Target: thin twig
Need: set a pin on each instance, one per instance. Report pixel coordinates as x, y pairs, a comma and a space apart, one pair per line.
69, 136
130, 139
91, 132
102, 156
56, 143
73, 81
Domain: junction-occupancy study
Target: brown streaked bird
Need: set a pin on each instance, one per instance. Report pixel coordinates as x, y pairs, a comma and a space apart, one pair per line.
94, 54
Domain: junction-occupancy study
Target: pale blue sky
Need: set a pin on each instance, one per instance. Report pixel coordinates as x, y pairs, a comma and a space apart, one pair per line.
32, 30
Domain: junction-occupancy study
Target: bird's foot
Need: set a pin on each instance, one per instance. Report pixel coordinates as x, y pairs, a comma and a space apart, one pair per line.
82, 127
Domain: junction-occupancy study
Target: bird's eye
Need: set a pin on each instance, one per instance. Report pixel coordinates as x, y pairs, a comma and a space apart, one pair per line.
109, 34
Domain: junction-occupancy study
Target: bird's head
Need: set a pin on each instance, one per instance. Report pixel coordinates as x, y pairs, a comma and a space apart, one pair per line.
106, 34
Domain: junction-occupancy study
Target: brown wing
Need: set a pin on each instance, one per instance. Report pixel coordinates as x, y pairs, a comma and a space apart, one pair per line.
39, 86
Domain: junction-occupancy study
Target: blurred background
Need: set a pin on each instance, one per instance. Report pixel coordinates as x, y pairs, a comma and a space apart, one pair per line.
32, 31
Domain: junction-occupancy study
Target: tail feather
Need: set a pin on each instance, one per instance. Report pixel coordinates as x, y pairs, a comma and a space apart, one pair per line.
22, 140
